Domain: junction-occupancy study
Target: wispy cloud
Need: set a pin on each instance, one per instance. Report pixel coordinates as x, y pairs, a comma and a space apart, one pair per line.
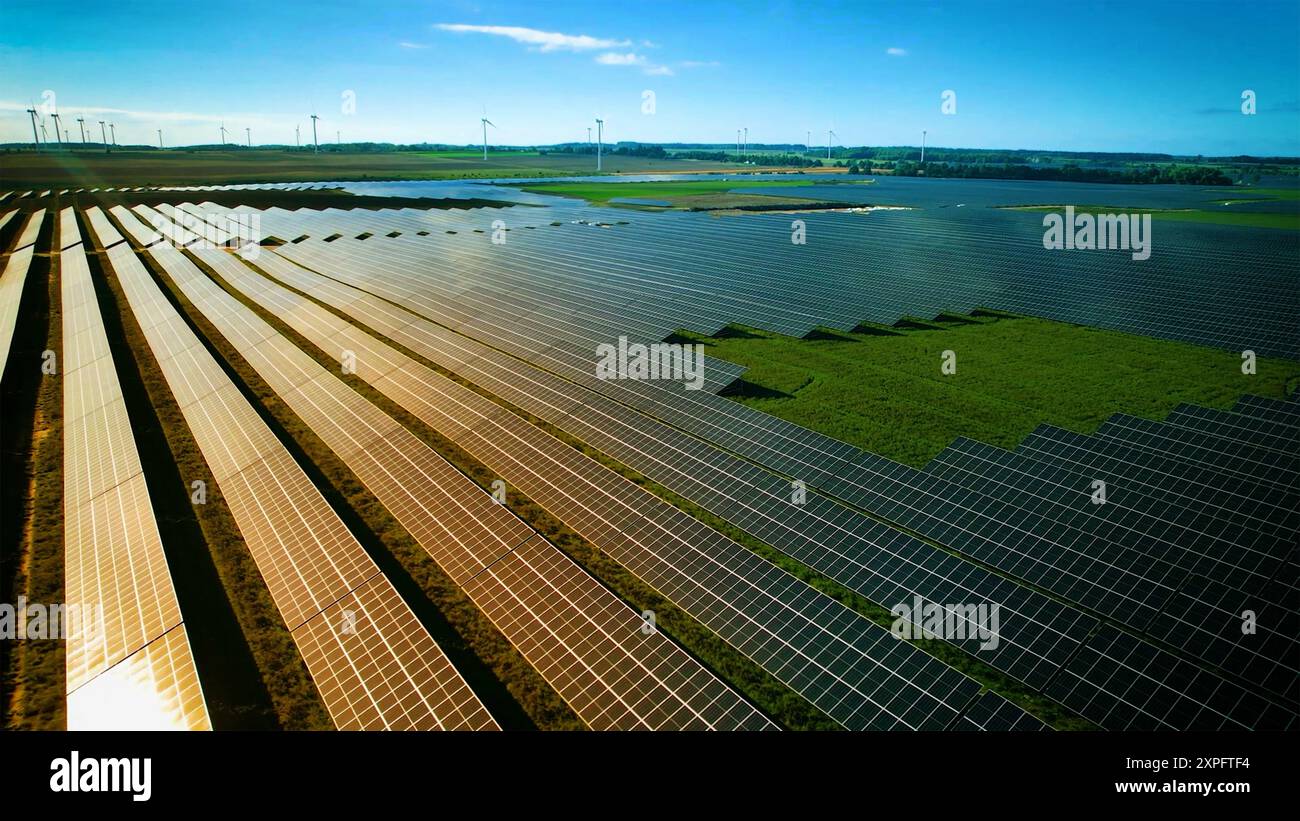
699, 64
541, 40
614, 58
409, 44
895, 51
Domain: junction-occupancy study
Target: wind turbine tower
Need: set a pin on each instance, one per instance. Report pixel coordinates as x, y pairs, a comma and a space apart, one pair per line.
600, 136
486, 122
315, 143
103, 135
745, 152
922, 146
223, 134
160, 145
248, 136
112, 131
830, 135
81, 122
36, 140
58, 129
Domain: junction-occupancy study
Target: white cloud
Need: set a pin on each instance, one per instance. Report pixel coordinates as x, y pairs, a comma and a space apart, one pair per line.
409, 44
614, 58
895, 51
542, 40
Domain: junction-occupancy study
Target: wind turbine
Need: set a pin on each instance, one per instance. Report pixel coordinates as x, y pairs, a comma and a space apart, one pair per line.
338, 138
45, 135
486, 122
103, 135
81, 121
830, 135
36, 140
112, 130
588, 135
600, 135
160, 145
248, 136
58, 133
297, 142
808, 143
745, 152
223, 133
737, 140
315, 143
922, 146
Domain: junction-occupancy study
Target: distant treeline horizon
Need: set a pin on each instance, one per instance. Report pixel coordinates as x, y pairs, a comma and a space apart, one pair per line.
715, 151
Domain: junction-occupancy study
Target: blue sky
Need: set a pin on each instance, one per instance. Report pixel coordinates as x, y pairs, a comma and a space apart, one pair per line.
1128, 76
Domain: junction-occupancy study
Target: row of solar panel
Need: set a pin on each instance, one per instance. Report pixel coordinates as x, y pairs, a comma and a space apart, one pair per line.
588, 645
335, 249
1122, 542
885, 565
374, 664
839, 660
127, 654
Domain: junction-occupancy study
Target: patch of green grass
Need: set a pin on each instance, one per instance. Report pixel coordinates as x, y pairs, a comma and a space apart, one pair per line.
885, 392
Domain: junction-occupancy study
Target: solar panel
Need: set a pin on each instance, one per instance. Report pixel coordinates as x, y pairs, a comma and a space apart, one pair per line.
127, 655
307, 557
994, 713
12, 281
759, 445
585, 642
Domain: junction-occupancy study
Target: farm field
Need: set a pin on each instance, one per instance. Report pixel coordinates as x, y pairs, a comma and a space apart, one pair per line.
77, 168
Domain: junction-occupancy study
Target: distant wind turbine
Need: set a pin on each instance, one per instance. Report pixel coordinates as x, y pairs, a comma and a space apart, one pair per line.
45, 135
112, 130
486, 122
248, 136
36, 140
600, 135
297, 142
315, 143
81, 121
745, 152
103, 135
58, 131
160, 144
588, 135
922, 146
830, 136
223, 133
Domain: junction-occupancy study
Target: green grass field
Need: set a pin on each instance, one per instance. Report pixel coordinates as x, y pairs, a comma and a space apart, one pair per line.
89, 169
884, 392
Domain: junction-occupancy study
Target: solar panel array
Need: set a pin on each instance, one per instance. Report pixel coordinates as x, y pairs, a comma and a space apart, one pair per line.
128, 629
591, 647
858, 673
883, 564
1133, 590
373, 663
12, 281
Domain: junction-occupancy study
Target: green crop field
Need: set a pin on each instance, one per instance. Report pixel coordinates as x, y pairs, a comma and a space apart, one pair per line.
883, 390
78, 168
